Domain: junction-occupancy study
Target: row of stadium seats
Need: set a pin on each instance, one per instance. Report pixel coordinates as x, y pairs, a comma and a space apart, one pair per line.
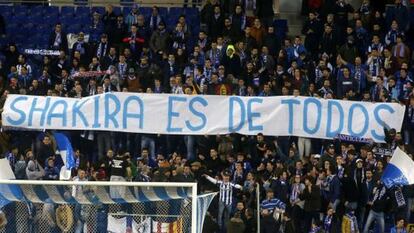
21, 11
31, 26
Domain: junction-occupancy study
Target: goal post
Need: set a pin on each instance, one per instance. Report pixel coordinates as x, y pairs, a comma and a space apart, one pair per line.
141, 207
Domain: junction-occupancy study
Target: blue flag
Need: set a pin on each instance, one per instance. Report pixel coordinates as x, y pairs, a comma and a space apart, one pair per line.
399, 171
65, 150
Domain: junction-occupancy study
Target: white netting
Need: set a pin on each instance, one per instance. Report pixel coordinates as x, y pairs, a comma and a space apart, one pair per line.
90, 209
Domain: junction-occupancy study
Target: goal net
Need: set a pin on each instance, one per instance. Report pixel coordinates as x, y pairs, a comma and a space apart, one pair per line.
89, 207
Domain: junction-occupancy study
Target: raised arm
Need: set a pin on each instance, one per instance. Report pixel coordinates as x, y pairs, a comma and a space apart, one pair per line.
211, 179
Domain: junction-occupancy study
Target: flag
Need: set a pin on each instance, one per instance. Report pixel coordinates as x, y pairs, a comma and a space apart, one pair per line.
8, 190
68, 157
399, 170
128, 225
144, 226
6, 173
165, 227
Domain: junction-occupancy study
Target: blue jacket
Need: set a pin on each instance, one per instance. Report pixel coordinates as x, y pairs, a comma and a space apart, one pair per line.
51, 173
334, 189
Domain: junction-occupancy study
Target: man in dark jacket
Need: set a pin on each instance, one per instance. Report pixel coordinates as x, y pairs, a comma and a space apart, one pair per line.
264, 10
378, 201
334, 193
58, 39
272, 42
311, 196
312, 30
45, 150
215, 23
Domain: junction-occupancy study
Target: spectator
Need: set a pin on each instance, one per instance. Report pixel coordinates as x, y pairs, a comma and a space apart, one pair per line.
155, 18
271, 210
159, 39
399, 227
58, 39
132, 17
378, 201
225, 197
51, 171
34, 170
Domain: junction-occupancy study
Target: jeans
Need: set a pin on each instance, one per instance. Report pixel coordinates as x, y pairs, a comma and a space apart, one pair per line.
190, 145
117, 192
223, 210
149, 143
304, 147
361, 217
375, 216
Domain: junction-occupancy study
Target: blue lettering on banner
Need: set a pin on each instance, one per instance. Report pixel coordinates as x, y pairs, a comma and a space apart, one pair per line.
77, 112
329, 132
251, 114
377, 117
290, 103
22, 114
239, 101
197, 113
350, 118
305, 115
124, 112
171, 113
111, 116
96, 123
139, 116
43, 110
51, 114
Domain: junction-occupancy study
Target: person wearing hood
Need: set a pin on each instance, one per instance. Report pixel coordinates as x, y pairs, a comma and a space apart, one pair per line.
232, 61
34, 171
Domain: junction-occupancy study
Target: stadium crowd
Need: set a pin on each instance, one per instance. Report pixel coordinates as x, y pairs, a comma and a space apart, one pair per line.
306, 185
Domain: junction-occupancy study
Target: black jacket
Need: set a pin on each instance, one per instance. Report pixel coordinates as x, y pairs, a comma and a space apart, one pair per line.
312, 199
63, 44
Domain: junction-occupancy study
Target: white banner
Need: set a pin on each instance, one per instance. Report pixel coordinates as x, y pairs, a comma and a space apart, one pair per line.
202, 114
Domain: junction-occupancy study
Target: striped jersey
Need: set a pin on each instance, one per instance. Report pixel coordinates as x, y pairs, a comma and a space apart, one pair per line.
271, 204
226, 190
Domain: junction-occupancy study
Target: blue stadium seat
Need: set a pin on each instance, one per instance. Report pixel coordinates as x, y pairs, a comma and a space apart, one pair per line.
35, 19
20, 8
68, 19
146, 11
191, 11
163, 11
67, 10
44, 28
83, 11
176, 11
19, 18
52, 19
83, 19
117, 10
100, 10
126, 10
6, 9
37, 9
52, 10
74, 28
